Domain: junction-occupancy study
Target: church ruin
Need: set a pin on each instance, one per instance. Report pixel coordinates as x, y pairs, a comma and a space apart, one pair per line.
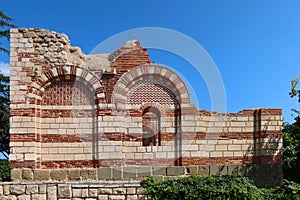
118, 116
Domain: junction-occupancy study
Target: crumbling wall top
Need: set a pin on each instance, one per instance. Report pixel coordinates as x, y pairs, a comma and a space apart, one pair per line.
45, 47
42, 46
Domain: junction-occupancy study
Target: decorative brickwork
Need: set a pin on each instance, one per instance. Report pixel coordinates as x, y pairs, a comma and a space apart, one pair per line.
118, 113
67, 93
164, 80
151, 92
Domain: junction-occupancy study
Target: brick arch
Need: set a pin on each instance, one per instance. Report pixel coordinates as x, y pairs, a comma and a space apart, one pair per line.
159, 108
64, 74
151, 125
156, 73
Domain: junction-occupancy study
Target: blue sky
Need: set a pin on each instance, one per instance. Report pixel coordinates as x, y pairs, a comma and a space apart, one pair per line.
255, 44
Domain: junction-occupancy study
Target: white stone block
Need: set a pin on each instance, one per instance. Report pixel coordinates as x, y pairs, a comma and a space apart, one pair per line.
129, 155
116, 155
109, 149
236, 148
12, 157
53, 150
59, 157
16, 144
188, 129
30, 157
148, 155
47, 158
195, 154
134, 130
171, 155
29, 144
79, 157
216, 154
161, 155
138, 155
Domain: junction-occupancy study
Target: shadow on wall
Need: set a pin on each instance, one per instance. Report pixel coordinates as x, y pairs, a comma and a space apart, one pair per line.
262, 159
265, 172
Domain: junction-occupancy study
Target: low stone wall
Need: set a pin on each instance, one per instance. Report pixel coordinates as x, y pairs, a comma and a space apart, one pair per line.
263, 175
78, 184
89, 190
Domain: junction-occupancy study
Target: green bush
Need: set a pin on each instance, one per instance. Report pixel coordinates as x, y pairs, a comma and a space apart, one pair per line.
4, 170
195, 188
291, 150
288, 190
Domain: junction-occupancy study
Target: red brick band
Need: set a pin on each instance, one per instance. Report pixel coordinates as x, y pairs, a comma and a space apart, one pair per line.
150, 162
28, 137
74, 113
67, 113
23, 112
23, 164
169, 113
119, 136
232, 160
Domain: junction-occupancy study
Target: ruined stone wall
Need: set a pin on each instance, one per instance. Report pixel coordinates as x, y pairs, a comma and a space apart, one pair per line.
121, 116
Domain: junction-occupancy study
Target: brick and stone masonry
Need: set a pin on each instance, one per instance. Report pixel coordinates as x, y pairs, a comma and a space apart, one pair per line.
119, 116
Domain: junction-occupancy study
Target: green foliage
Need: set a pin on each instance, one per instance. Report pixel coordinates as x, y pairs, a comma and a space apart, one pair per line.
4, 115
288, 191
5, 25
194, 187
4, 170
294, 92
4, 28
217, 188
291, 150
291, 141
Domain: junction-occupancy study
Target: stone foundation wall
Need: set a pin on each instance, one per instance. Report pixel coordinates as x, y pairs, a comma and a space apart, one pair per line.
263, 175
89, 190
79, 184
